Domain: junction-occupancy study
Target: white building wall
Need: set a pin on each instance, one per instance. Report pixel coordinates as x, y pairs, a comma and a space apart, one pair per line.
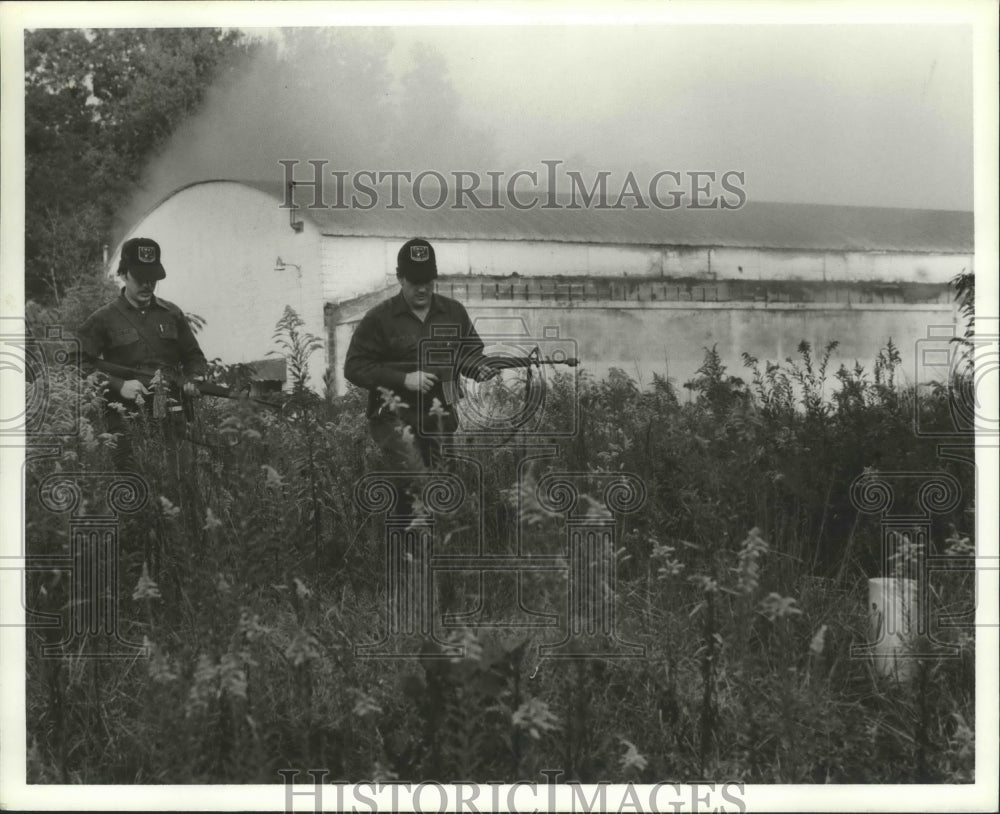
670, 338
684, 262
220, 242
354, 266
530, 258
896, 267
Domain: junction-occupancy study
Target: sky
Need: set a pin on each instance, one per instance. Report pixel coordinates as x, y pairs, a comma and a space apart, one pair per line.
864, 115
854, 114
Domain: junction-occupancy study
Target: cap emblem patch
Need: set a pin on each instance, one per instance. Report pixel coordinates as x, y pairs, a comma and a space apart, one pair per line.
147, 254
420, 254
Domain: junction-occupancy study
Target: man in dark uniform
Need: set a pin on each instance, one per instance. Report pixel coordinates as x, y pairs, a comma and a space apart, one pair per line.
135, 336
409, 420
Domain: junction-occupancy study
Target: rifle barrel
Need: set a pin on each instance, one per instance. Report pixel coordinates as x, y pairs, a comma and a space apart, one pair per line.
502, 362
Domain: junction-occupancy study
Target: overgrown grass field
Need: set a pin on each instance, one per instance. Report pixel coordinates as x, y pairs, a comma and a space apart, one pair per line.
252, 574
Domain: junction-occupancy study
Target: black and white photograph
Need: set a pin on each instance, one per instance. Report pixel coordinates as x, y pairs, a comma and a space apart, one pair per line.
497, 407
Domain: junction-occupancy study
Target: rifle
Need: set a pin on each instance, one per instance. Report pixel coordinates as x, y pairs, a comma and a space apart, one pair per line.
205, 388
533, 359
492, 364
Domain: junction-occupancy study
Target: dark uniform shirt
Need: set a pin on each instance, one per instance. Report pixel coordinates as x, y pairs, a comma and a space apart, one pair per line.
145, 339
386, 346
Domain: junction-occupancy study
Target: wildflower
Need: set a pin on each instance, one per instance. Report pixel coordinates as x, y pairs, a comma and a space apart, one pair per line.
168, 509
535, 716
632, 759
86, 435
158, 386
753, 548
605, 458
203, 688
272, 478
365, 705
818, 641
109, 439
671, 567
775, 606
222, 585
592, 507
706, 584
230, 425
469, 642
963, 742
391, 401
145, 588
524, 497
159, 668
406, 431
383, 774
233, 676
906, 557
959, 546
662, 552
303, 648
211, 521
301, 589
250, 627
437, 409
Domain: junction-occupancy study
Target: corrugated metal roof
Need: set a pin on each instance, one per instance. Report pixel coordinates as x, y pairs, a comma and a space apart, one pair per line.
758, 224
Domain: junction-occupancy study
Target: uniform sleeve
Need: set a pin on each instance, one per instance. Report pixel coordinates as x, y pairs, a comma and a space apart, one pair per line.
365, 365
92, 335
192, 359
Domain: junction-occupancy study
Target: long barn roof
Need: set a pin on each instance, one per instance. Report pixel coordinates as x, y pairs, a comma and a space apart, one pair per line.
758, 224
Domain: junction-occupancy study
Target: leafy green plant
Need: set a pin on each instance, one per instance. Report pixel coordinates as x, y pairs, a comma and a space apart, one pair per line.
253, 588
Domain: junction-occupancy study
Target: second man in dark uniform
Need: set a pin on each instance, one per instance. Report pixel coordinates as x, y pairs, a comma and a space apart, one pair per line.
415, 407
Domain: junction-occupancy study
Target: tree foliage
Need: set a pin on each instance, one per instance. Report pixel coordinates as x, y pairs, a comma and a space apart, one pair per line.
110, 124
98, 105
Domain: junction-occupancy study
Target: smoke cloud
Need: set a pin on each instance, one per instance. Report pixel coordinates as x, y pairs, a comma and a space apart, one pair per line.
876, 115
325, 94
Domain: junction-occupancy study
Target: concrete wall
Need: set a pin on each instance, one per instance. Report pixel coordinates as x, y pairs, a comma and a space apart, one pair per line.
670, 338
353, 266
908, 267
860, 299
219, 243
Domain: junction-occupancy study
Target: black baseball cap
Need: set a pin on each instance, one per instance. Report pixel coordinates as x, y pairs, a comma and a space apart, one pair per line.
141, 256
415, 261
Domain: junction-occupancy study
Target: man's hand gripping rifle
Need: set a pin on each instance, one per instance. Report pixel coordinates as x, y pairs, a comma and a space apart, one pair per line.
485, 368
